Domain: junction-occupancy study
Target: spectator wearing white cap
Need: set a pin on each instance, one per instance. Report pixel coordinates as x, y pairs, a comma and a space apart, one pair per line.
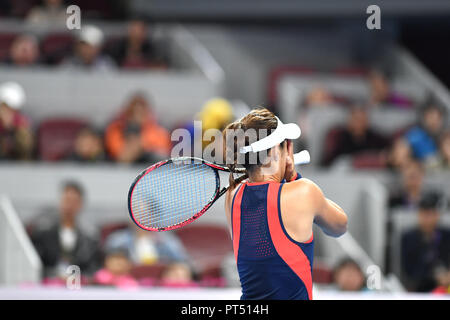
88, 49
16, 139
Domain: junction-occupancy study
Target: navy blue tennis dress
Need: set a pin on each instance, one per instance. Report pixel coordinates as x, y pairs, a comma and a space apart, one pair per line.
270, 263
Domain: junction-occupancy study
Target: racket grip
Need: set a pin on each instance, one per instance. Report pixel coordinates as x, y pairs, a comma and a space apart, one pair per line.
302, 157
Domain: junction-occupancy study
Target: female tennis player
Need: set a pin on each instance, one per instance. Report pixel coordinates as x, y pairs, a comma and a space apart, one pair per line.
271, 214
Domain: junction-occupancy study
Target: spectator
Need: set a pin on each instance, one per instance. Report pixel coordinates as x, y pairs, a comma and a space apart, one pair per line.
88, 147
381, 92
408, 194
444, 156
177, 275
423, 138
425, 250
116, 270
399, 155
87, 53
24, 51
135, 136
16, 139
50, 13
216, 113
444, 283
318, 96
146, 248
348, 276
137, 50
357, 137
61, 241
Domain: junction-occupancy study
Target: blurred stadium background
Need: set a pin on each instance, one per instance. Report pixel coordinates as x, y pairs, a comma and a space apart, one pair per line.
83, 111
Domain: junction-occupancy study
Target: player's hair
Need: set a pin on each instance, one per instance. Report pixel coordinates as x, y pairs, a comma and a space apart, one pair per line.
257, 119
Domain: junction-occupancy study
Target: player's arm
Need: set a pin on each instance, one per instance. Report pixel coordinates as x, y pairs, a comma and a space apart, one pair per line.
328, 215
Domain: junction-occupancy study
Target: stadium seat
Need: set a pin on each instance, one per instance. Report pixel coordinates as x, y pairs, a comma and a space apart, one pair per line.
110, 44
20, 8
108, 229
351, 71
95, 9
277, 73
206, 254
56, 137
213, 272
6, 39
330, 141
368, 160
56, 46
322, 274
141, 272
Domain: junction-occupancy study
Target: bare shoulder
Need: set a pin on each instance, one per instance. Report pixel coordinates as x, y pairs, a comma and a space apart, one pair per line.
232, 191
303, 186
229, 195
303, 189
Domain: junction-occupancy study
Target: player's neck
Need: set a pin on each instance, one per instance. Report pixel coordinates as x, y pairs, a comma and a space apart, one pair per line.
264, 175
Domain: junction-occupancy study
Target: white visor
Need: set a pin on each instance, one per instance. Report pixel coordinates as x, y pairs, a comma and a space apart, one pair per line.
281, 133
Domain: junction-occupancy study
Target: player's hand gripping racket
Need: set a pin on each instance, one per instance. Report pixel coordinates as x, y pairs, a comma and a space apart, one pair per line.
175, 192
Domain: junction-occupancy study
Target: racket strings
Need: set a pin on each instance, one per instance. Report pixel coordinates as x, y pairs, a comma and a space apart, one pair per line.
172, 194
167, 216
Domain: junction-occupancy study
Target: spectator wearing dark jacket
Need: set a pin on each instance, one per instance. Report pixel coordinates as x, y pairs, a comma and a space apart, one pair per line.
355, 138
63, 242
409, 191
137, 50
425, 250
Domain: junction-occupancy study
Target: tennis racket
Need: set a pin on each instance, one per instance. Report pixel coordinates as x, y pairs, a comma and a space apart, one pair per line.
174, 192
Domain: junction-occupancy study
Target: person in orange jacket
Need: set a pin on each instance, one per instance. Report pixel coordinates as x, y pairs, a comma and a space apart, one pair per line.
135, 135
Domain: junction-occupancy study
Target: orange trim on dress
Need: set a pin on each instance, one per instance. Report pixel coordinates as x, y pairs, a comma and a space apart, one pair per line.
259, 183
236, 219
291, 253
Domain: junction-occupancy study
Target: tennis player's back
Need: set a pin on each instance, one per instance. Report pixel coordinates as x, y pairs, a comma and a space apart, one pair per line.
270, 263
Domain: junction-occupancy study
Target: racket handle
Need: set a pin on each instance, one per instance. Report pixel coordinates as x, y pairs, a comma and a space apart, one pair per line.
302, 157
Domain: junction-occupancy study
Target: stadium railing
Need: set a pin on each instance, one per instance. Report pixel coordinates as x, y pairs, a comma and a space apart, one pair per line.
347, 247
19, 261
408, 65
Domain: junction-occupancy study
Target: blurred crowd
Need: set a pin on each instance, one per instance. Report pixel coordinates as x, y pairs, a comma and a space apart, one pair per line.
119, 255
133, 136
125, 256
88, 48
54, 11
409, 155
426, 141
133, 257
